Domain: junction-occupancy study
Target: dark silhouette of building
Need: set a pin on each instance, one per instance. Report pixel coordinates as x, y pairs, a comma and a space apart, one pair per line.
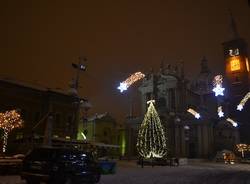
237, 73
35, 103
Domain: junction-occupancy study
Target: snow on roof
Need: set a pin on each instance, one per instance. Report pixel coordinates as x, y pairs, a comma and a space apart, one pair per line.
36, 86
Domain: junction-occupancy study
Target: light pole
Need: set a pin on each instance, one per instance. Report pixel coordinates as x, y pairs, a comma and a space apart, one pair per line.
78, 67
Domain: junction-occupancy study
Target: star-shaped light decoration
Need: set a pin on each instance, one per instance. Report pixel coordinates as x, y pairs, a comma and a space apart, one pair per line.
197, 116
243, 102
239, 107
194, 113
219, 90
235, 124
217, 83
122, 87
220, 112
130, 80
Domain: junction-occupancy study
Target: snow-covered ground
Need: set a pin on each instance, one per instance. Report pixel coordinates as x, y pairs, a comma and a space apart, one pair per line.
197, 173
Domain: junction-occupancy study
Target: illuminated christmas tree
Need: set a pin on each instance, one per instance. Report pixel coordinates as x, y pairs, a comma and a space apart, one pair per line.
151, 141
8, 121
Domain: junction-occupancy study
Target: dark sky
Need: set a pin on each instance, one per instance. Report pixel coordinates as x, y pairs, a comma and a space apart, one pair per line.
40, 40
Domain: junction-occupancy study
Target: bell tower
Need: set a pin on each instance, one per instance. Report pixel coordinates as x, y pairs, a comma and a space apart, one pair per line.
236, 64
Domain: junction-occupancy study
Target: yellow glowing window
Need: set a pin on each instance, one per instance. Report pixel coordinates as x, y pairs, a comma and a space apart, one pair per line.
247, 64
235, 64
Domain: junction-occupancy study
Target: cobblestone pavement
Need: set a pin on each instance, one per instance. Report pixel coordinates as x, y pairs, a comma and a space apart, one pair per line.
199, 173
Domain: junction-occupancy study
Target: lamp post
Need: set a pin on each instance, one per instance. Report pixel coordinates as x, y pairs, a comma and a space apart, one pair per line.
79, 67
74, 88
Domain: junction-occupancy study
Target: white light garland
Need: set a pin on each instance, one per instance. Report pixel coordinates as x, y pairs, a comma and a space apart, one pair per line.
243, 102
130, 80
151, 141
194, 113
8, 121
217, 83
220, 112
235, 124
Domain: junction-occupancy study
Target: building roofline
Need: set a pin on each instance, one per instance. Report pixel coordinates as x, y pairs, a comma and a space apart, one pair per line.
32, 87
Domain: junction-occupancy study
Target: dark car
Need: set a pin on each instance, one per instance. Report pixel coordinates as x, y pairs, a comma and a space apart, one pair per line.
60, 165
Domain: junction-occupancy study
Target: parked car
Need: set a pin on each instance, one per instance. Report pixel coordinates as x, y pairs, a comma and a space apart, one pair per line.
59, 165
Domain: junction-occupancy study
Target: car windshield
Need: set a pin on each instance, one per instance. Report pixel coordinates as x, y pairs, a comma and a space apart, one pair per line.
75, 155
42, 154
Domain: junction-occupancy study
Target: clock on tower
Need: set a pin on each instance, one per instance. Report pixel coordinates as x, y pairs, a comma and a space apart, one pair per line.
236, 67
236, 64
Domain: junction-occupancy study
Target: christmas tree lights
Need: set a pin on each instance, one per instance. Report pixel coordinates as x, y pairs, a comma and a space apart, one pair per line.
243, 102
129, 81
151, 140
217, 83
193, 112
8, 121
243, 148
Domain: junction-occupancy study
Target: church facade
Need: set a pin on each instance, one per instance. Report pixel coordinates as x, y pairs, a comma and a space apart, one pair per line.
173, 95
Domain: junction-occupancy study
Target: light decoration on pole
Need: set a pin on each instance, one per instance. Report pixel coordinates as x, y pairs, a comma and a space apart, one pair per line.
8, 121
243, 148
129, 81
220, 112
151, 140
243, 102
194, 113
235, 124
84, 136
217, 83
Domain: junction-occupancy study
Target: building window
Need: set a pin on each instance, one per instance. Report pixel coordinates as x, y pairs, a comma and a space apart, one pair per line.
235, 64
105, 133
58, 120
172, 98
162, 102
148, 96
19, 135
247, 64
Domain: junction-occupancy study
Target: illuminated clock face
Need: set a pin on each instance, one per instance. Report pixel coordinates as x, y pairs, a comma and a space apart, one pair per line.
235, 64
234, 52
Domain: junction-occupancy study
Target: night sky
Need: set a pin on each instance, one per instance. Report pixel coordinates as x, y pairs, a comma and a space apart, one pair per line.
40, 40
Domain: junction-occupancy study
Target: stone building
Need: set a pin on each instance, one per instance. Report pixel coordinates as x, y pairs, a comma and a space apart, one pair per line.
174, 94
34, 104
103, 131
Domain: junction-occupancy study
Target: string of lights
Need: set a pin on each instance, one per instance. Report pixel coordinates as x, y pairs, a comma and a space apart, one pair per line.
243, 102
194, 113
130, 80
8, 121
151, 140
217, 83
235, 124
220, 112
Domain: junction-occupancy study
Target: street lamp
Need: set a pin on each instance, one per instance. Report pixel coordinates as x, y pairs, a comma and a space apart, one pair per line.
79, 67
